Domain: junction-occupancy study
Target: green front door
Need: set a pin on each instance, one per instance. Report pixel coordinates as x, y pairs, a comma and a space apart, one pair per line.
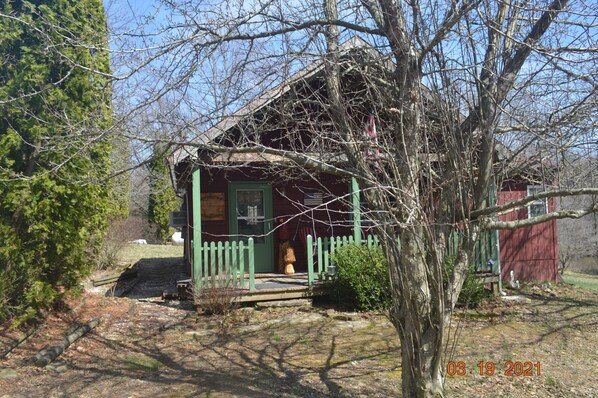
250, 216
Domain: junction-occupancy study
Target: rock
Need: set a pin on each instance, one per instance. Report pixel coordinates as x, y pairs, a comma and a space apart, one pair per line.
353, 324
58, 367
200, 333
8, 374
517, 299
283, 303
346, 316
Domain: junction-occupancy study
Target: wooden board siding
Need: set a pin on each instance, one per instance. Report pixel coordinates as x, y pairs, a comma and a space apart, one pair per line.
531, 252
213, 206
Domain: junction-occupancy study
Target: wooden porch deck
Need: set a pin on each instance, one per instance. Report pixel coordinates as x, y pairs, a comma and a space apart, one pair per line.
270, 287
282, 287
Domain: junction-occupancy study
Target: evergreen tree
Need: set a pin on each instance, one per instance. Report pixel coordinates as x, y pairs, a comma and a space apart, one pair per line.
162, 198
54, 105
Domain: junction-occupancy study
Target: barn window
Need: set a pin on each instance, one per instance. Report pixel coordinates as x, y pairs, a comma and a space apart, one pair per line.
538, 207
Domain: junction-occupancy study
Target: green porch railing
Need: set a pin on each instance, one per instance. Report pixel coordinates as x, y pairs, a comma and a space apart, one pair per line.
226, 264
486, 249
232, 264
320, 252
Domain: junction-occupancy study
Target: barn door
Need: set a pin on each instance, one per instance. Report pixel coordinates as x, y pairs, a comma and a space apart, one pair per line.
250, 215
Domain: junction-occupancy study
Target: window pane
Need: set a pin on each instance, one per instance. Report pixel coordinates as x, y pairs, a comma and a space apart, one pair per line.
247, 229
250, 203
538, 207
534, 190
250, 214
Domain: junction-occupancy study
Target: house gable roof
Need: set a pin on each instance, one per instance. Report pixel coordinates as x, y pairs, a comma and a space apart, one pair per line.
267, 97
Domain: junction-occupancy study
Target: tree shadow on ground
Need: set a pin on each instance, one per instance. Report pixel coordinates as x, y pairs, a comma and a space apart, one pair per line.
567, 313
154, 277
307, 360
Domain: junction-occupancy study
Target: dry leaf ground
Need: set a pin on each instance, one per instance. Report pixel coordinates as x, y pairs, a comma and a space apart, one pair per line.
152, 348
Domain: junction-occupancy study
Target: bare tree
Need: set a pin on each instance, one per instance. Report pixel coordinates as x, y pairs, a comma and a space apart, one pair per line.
466, 94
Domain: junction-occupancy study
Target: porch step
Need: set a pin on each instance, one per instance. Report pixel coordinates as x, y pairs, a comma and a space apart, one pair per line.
282, 294
290, 293
283, 303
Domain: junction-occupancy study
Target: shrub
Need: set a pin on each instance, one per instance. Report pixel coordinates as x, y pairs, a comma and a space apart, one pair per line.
216, 300
472, 293
361, 281
113, 243
162, 198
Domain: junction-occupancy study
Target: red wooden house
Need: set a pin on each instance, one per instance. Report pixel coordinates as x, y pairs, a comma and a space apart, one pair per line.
234, 197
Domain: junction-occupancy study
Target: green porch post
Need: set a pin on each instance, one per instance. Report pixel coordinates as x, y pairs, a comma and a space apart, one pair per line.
310, 261
356, 210
495, 236
196, 192
251, 265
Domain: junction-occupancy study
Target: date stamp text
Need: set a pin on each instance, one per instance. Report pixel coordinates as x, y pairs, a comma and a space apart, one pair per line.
489, 368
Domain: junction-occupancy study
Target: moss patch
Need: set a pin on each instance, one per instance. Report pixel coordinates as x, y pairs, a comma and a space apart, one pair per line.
144, 362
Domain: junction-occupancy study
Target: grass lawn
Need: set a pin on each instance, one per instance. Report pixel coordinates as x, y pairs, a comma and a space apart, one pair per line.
582, 280
133, 253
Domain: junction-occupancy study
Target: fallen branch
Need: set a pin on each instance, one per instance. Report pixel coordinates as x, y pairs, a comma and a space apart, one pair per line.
47, 355
20, 341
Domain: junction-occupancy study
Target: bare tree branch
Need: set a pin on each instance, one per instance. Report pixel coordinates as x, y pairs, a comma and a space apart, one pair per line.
555, 215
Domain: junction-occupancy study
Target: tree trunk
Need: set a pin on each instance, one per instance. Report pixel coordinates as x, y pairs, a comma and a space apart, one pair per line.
428, 381
417, 316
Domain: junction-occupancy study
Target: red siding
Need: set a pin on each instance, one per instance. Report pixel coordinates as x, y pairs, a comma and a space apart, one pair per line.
330, 220
532, 252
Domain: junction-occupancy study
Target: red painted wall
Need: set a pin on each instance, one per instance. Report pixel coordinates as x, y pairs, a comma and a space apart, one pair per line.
330, 220
531, 252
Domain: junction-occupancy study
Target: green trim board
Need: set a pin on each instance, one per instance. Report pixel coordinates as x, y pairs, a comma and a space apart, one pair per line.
196, 244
